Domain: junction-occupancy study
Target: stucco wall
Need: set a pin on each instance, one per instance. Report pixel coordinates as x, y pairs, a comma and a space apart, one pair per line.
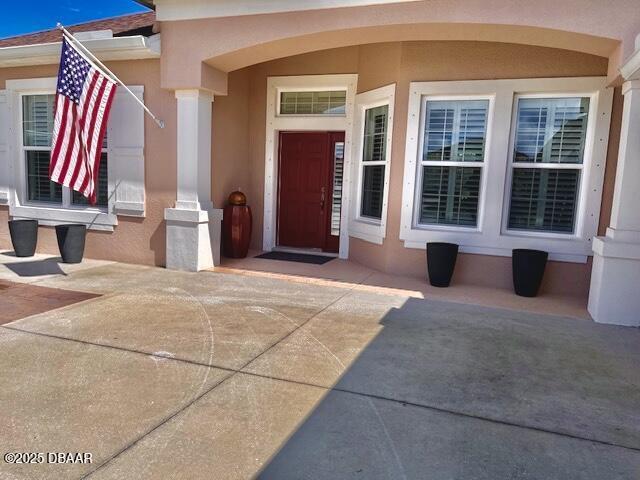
401, 63
134, 240
230, 169
239, 138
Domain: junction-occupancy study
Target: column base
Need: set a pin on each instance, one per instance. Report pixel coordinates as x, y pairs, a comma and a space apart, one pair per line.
193, 238
614, 296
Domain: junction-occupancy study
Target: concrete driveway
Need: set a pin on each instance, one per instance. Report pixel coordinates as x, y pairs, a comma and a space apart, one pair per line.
216, 376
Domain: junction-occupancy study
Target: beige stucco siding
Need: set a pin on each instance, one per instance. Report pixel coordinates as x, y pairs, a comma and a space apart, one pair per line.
238, 139
401, 63
230, 167
135, 240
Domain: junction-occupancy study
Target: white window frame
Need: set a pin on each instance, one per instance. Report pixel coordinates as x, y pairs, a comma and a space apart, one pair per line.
491, 237
67, 196
323, 123
96, 218
368, 228
583, 194
420, 163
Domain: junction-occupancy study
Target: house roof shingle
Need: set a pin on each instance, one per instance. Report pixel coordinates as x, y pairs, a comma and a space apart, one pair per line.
118, 25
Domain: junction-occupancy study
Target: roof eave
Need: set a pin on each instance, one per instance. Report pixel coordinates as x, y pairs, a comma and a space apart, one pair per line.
135, 47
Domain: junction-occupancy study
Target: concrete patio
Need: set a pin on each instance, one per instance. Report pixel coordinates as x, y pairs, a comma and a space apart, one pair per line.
221, 375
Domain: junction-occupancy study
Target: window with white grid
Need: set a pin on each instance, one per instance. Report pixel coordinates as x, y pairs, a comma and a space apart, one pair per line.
374, 161
451, 162
37, 128
547, 163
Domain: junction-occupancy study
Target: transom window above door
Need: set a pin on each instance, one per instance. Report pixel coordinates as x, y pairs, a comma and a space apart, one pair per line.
329, 102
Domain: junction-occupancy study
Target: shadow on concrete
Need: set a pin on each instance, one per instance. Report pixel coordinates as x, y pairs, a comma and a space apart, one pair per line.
450, 391
36, 268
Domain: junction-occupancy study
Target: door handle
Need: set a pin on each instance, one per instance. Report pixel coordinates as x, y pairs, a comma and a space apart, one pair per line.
322, 195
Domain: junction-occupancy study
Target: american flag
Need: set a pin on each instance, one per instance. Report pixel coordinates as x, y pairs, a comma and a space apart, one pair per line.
83, 100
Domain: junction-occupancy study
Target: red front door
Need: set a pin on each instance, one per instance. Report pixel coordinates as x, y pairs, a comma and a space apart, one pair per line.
305, 189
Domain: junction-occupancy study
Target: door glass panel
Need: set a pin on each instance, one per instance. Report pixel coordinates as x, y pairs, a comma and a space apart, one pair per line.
336, 200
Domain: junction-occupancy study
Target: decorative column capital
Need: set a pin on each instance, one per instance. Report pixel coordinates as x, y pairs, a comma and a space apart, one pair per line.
630, 85
194, 93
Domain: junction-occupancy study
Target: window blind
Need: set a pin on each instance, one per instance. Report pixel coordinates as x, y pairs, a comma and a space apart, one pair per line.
454, 132
313, 103
39, 187
37, 128
450, 195
549, 131
37, 120
338, 175
374, 157
375, 134
372, 191
544, 199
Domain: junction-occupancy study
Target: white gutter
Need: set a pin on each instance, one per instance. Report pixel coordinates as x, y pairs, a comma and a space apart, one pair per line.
136, 47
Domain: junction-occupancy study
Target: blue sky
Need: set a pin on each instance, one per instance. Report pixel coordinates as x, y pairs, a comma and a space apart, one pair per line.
20, 16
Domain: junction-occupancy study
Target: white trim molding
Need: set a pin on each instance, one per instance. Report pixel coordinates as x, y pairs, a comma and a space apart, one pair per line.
135, 47
370, 229
324, 123
6, 131
489, 236
191, 9
614, 296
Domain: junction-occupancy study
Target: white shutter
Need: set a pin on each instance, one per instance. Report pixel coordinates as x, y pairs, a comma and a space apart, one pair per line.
126, 153
4, 147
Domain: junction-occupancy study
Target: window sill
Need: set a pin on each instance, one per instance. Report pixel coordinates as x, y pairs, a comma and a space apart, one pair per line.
94, 219
313, 115
368, 231
423, 227
575, 250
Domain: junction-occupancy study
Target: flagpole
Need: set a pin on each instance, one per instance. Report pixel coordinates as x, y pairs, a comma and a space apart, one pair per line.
99, 65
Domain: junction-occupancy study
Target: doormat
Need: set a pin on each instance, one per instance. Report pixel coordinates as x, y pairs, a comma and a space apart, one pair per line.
296, 257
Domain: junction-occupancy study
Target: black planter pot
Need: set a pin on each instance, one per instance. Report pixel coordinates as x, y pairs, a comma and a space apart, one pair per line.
24, 237
528, 270
441, 259
71, 242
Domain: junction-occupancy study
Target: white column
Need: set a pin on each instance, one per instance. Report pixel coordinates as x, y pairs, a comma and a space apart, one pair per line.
193, 226
615, 279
